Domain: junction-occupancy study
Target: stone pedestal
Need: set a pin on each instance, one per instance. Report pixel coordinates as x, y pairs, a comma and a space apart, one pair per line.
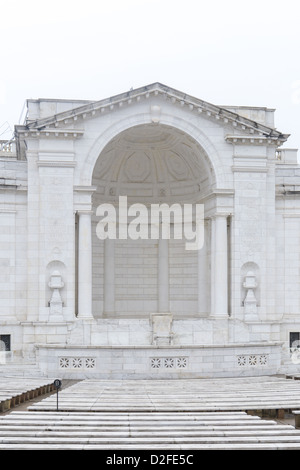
56, 304
250, 302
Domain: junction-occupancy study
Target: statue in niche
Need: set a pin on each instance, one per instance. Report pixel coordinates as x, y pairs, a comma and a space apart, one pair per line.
56, 283
250, 302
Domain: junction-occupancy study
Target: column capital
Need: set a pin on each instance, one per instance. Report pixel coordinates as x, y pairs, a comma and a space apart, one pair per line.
85, 189
84, 212
220, 214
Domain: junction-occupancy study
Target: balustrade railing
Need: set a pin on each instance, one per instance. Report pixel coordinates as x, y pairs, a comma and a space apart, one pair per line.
7, 148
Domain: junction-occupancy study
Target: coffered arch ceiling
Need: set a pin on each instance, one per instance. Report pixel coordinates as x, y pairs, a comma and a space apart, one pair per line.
153, 162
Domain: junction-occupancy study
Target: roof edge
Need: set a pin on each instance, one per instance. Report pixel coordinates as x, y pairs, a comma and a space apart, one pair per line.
175, 95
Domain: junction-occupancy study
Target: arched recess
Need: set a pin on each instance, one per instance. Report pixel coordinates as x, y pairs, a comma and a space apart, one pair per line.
56, 266
180, 124
253, 269
148, 163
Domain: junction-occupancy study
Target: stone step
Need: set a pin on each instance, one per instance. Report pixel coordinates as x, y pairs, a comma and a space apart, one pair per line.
132, 417
181, 395
287, 405
149, 447
150, 441
144, 427
138, 433
124, 422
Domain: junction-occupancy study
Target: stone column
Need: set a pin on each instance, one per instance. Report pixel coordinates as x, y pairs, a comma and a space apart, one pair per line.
219, 266
85, 265
163, 276
203, 299
212, 264
109, 276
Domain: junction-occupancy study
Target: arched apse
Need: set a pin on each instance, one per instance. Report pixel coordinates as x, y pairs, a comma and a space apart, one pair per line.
177, 124
149, 163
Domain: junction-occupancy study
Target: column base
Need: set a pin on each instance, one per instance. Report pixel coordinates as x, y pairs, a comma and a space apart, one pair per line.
219, 316
85, 317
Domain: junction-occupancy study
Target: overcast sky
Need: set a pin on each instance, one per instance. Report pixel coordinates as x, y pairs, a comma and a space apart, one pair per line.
227, 52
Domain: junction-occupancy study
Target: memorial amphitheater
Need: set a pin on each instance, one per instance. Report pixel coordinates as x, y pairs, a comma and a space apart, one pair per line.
162, 345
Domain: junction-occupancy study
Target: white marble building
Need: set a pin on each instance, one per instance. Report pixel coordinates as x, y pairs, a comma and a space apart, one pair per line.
75, 306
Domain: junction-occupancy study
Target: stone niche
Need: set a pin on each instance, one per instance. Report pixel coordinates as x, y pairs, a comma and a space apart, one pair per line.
55, 295
250, 291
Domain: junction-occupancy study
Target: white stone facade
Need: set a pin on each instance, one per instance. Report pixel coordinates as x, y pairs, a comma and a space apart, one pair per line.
77, 306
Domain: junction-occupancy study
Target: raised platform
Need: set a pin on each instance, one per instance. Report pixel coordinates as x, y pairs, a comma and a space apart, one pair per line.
163, 362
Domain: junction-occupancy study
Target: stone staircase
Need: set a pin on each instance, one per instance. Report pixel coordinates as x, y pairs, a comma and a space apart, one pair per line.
253, 394
210, 414
143, 431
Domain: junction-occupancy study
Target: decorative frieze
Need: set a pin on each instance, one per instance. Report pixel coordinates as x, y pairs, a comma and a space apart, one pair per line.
38, 133
255, 139
77, 363
168, 363
252, 360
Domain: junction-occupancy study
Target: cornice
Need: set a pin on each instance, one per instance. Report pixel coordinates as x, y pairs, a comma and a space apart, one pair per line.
25, 132
274, 140
218, 192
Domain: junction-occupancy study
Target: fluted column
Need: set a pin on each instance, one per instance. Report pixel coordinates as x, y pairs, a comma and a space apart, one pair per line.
84, 264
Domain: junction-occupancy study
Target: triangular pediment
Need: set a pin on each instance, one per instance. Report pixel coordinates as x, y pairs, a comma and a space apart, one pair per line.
242, 126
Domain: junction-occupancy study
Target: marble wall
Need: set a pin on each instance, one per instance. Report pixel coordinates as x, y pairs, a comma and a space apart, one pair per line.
232, 305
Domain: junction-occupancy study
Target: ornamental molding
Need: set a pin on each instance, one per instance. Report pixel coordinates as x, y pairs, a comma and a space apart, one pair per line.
249, 169
218, 193
194, 105
76, 363
252, 360
169, 363
251, 158
25, 132
85, 189
45, 163
274, 140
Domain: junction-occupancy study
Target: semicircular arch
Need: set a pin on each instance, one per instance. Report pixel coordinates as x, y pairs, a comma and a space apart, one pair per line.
211, 153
